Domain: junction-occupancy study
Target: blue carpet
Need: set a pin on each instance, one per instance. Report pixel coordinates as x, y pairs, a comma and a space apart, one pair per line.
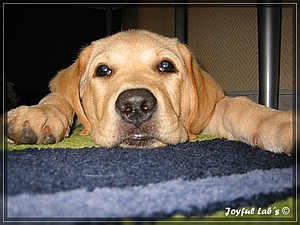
191, 179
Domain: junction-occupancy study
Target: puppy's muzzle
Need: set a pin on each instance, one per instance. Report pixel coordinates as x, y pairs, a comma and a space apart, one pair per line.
136, 106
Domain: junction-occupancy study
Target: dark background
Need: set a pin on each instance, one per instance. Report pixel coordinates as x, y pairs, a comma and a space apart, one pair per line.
40, 40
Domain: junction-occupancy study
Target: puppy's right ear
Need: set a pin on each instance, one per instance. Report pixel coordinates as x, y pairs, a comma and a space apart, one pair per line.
67, 82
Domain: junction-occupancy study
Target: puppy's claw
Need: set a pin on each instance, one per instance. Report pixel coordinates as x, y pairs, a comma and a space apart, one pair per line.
257, 142
67, 132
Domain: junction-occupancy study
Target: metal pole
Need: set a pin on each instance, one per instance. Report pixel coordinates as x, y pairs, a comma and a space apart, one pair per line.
181, 23
269, 33
108, 21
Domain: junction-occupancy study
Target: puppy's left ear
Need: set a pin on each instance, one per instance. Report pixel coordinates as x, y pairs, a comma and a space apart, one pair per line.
200, 95
67, 83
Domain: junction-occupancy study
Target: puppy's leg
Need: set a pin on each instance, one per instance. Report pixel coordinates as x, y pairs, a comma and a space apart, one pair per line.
242, 119
45, 123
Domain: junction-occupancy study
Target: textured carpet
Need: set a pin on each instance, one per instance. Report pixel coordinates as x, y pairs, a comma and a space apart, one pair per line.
190, 179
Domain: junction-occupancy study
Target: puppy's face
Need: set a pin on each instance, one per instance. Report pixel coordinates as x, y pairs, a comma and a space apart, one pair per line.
134, 91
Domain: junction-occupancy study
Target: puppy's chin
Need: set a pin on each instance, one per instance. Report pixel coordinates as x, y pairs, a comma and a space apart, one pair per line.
141, 141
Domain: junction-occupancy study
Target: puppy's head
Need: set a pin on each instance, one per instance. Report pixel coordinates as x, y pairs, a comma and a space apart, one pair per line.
140, 89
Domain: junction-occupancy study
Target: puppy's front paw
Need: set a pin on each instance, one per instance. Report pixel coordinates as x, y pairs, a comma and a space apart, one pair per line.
39, 124
275, 134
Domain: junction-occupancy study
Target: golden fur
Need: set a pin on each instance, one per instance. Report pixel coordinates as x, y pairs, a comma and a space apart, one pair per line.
189, 101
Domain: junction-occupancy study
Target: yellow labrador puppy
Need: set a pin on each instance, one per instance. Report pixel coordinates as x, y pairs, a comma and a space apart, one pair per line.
140, 89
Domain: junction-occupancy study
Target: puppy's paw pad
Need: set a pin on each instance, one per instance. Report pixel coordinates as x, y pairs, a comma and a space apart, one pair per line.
48, 136
28, 136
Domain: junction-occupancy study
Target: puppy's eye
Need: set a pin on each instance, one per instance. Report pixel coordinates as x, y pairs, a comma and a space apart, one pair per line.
102, 71
166, 66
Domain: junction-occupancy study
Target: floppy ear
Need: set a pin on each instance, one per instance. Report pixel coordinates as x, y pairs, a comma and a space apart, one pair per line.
66, 83
200, 95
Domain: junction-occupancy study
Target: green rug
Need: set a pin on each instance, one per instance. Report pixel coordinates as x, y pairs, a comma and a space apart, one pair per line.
77, 141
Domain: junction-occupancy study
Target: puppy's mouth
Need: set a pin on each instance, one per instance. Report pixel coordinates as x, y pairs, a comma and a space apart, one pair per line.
138, 141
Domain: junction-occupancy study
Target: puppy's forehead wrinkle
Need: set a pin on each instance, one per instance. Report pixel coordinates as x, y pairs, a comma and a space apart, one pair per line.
134, 43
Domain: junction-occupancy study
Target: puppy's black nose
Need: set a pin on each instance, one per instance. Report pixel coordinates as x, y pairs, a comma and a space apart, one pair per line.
136, 106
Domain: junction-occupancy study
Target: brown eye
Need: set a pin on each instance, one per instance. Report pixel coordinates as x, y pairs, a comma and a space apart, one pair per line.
166, 67
102, 71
